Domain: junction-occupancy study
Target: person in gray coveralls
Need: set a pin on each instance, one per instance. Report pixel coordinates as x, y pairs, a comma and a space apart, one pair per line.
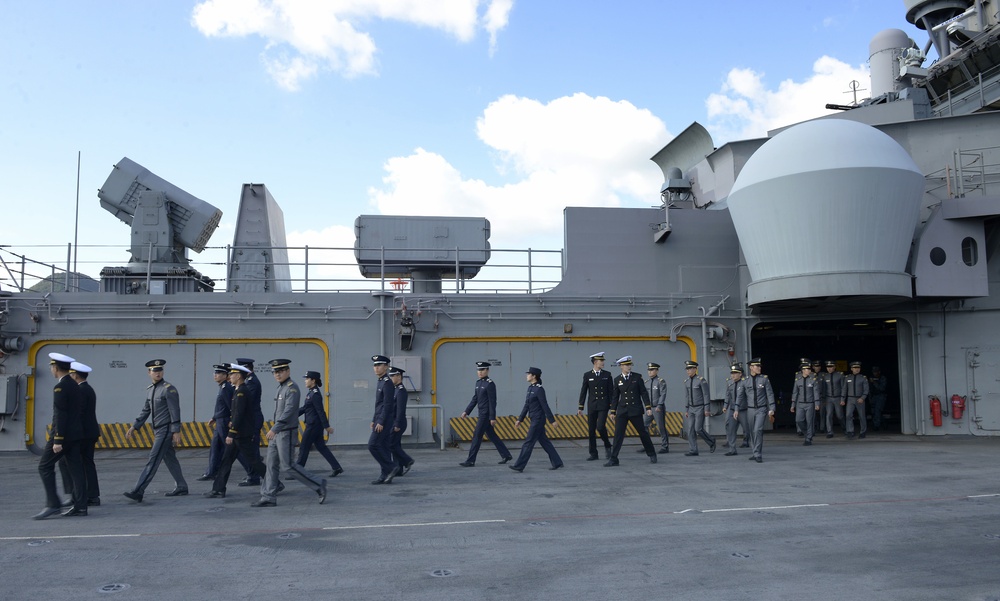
696, 409
758, 396
735, 408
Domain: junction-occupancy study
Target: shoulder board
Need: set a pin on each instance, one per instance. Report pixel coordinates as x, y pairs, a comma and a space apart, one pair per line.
488, 380
170, 388
293, 386
239, 394
701, 378
57, 389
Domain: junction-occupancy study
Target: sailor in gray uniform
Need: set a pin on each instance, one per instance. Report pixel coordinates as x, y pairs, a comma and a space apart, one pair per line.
834, 389
282, 438
163, 409
807, 396
758, 396
629, 402
657, 388
735, 408
696, 409
853, 399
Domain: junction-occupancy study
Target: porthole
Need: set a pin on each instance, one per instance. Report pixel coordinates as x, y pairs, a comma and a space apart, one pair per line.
970, 251
938, 256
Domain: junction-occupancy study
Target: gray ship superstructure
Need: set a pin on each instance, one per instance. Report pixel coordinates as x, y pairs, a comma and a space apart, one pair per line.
870, 234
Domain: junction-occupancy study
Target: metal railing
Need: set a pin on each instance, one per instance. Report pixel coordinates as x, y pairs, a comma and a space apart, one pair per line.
306, 269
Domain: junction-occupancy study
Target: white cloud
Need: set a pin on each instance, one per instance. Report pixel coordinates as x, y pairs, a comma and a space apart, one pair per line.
308, 35
332, 265
746, 108
573, 151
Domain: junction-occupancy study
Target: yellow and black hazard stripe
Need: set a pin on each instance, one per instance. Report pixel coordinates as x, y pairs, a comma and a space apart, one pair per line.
194, 435
570, 427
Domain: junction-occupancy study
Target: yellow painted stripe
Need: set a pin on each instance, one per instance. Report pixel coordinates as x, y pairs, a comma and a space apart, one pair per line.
570, 427
194, 435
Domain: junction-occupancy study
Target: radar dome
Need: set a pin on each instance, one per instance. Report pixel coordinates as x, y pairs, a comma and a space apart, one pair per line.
827, 208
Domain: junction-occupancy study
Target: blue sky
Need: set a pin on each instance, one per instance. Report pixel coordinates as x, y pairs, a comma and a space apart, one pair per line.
505, 109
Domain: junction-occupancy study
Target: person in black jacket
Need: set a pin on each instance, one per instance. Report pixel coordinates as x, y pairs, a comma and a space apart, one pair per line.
402, 459
485, 399
537, 408
382, 420
219, 422
240, 437
598, 384
91, 432
254, 390
316, 423
629, 401
67, 431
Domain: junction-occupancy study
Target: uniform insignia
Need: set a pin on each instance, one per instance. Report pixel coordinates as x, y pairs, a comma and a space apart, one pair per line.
57, 390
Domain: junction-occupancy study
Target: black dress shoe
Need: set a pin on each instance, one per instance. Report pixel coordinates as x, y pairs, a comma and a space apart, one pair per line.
829, 435
555, 467
711, 449
663, 450
379, 481
731, 453
611, 462
322, 491
94, 502
75, 512
135, 496
607, 452
745, 445
263, 503
336, 472
280, 488
800, 434
406, 467
249, 482
177, 492
752, 458
467, 464
758, 460
391, 475
593, 458
690, 454
215, 494
807, 443
205, 478
67, 503
41, 515
516, 469
652, 458
862, 435
504, 460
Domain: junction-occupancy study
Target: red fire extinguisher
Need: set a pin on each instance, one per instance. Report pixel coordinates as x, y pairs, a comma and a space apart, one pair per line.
957, 406
936, 411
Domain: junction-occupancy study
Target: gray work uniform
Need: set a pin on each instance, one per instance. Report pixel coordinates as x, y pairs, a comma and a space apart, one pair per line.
281, 449
696, 402
834, 390
735, 404
807, 394
657, 388
163, 409
758, 395
854, 395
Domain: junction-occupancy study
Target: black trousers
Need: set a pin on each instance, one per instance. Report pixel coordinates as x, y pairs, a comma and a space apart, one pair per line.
597, 424
89, 470
74, 465
239, 446
313, 437
483, 426
621, 424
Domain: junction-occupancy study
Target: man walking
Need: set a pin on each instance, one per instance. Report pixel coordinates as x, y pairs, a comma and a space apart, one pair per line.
629, 399
853, 399
484, 399
735, 408
758, 396
382, 420
219, 422
657, 388
596, 392
64, 441
696, 407
806, 398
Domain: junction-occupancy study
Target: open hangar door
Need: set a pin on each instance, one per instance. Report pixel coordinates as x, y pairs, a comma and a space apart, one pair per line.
873, 342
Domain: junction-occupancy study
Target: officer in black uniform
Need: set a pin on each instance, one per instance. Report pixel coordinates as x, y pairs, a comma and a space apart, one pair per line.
401, 458
255, 390
485, 399
382, 420
91, 433
239, 438
629, 401
316, 423
163, 409
67, 430
219, 422
598, 384
537, 408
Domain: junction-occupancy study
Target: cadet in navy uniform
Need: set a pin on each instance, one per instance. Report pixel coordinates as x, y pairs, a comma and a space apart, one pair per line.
696, 409
382, 420
316, 423
67, 430
219, 422
254, 390
536, 407
239, 438
485, 399
735, 408
163, 408
807, 396
91, 433
629, 397
758, 397
833, 389
282, 437
657, 388
853, 399
402, 460
598, 384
